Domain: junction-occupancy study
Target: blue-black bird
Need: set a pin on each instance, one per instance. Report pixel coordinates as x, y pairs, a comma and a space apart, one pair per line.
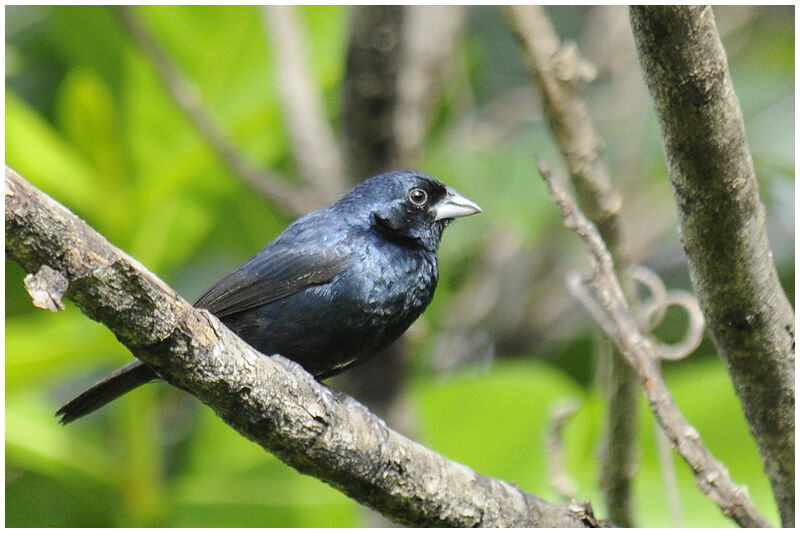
334, 288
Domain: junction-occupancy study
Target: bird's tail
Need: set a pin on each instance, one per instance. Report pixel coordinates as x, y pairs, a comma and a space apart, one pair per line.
110, 388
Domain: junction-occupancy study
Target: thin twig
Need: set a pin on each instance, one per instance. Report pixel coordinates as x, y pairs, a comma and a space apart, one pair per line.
710, 475
556, 71
557, 471
188, 99
650, 313
667, 465
318, 157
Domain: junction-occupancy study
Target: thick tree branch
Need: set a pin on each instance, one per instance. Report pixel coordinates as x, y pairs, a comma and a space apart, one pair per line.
286, 196
621, 327
556, 72
316, 430
722, 225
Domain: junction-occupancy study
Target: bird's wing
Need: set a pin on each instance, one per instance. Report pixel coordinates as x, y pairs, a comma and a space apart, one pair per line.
271, 275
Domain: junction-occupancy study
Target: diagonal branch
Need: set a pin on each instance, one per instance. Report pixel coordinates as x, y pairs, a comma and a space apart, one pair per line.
318, 157
271, 401
722, 218
621, 327
186, 96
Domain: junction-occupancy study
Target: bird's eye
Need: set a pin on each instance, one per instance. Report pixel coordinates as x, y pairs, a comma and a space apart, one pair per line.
418, 197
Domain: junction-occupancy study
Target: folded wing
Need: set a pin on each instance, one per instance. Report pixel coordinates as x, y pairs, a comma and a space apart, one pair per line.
273, 274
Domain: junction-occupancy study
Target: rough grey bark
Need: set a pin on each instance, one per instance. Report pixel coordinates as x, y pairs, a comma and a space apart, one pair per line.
556, 72
271, 401
722, 225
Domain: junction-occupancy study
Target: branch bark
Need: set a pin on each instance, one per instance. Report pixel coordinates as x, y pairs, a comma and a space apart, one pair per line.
316, 430
621, 327
722, 225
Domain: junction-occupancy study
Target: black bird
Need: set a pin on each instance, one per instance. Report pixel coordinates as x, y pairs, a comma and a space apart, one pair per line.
334, 288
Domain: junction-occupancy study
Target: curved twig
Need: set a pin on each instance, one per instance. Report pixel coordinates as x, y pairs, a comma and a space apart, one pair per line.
652, 311
557, 473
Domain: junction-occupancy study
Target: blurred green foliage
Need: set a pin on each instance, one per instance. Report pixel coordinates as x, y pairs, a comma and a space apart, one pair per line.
88, 122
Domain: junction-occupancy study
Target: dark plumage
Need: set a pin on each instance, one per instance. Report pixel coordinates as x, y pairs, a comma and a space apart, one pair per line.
335, 287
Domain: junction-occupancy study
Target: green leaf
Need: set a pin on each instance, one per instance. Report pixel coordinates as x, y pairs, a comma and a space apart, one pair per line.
36, 351
247, 486
37, 151
88, 117
497, 422
36, 441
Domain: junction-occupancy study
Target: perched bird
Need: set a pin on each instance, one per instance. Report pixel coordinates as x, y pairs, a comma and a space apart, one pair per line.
334, 288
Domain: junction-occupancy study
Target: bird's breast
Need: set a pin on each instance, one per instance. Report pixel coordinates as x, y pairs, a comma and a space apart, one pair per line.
396, 283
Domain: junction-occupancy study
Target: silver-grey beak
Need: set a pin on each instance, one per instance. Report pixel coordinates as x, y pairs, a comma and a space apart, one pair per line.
455, 205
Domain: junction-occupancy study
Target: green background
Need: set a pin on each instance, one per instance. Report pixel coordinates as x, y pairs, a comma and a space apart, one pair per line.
88, 122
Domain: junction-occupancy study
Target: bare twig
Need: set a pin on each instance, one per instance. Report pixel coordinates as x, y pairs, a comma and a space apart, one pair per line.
318, 157
269, 400
710, 475
188, 99
667, 466
651, 312
722, 218
556, 71
559, 477
430, 33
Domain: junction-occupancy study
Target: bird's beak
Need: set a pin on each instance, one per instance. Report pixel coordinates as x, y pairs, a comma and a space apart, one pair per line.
455, 205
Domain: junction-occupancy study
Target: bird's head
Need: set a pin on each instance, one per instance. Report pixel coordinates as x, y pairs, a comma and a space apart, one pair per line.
410, 207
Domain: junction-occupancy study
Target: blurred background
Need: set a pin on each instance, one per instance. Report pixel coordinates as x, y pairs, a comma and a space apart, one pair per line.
160, 127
